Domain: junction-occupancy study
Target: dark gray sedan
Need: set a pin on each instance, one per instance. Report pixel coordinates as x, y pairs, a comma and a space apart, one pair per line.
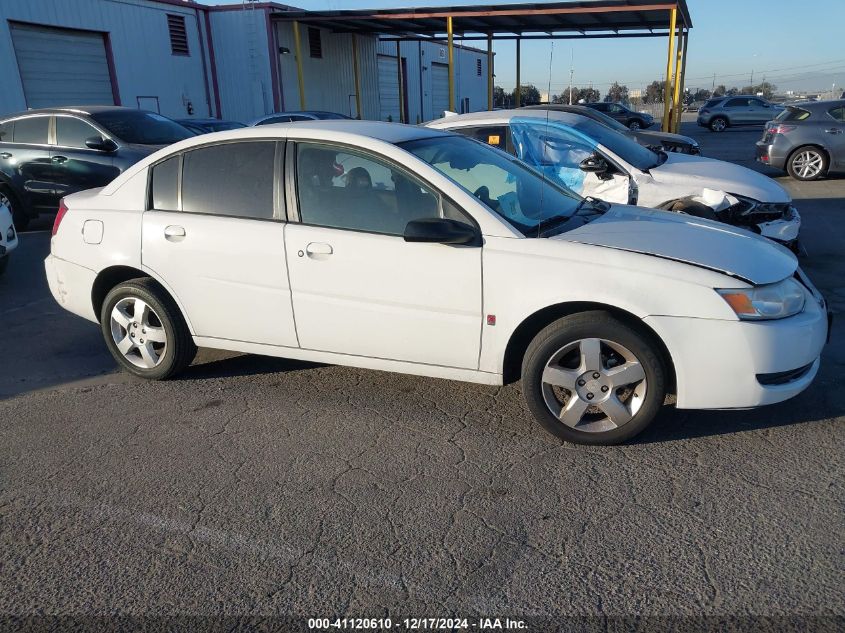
654, 139
807, 140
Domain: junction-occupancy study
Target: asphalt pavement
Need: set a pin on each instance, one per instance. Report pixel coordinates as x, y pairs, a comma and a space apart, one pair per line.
258, 488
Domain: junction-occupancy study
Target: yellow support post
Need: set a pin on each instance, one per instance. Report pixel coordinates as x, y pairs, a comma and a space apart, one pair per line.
518, 92
676, 97
489, 71
356, 74
298, 46
667, 89
451, 64
682, 79
401, 82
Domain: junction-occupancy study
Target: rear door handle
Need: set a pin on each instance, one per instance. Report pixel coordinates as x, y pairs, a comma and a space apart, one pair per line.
5, 155
319, 250
834, 130
174, 233
59, 159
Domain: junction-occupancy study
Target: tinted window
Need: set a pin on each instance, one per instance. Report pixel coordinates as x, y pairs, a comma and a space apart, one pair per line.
601, 107
6, 130
792, 113
712, 103
32, 130
233, 179
495, 136
837, 113
139, 126
73, 132
348, 190
736, 103
165, 185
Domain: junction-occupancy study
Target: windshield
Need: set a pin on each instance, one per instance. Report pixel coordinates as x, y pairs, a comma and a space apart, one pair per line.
620, 144
141, 127
515, 192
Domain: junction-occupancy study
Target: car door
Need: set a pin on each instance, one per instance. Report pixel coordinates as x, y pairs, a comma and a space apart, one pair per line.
76, 166
214, 233
834, 132
759, 111
737, 110
25, 160
358, 288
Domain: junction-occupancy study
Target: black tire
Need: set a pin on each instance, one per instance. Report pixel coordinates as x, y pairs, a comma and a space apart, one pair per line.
636, 124
20, 215
179, 350
589, 325
793, 170
4, 262
718, 124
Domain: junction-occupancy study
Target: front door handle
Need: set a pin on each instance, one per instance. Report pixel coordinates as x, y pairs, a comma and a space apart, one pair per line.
174, 233
5, 155
59, 159
834, 130
319, 250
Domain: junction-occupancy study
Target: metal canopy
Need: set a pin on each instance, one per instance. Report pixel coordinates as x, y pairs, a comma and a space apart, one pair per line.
538, 20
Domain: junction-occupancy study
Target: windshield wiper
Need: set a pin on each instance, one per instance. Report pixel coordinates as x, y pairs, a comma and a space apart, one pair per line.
594, 205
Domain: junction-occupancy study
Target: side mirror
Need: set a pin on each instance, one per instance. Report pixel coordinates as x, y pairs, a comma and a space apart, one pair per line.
101, 144
594, 164
440, 231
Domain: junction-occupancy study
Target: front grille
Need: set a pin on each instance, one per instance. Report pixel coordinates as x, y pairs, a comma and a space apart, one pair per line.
783, 377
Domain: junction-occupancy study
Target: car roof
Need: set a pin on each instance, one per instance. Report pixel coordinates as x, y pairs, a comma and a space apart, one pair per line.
818, 105
75, 109
503, 117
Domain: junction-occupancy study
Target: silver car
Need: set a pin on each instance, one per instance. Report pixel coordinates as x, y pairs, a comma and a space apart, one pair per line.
721, 113
807, 140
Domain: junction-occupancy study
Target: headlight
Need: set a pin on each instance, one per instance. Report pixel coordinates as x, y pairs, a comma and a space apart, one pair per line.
772, 301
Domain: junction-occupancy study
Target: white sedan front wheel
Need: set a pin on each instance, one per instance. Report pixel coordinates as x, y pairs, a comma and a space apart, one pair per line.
590, 379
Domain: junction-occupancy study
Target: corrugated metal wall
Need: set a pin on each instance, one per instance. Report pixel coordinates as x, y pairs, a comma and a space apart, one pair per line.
140, 43
242, 56
419, 57
329, 81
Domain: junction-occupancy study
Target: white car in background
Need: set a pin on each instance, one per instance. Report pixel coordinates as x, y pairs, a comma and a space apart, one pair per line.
8, 236
596, 161
402, 248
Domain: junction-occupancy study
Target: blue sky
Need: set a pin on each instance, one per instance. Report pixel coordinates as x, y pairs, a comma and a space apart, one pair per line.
797, 45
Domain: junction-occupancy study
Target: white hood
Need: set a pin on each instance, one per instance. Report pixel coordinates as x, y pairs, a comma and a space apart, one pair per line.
688, 239
684, 175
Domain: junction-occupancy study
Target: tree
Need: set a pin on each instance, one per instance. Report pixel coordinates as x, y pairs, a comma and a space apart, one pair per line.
732, 91
701, 94
720, 91
765, 88
589, 95
654, 92
528, 95
498, 96
617, 93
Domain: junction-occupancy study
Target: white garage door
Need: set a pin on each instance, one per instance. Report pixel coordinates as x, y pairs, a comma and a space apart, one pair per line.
62, 67
439, 89
388, 89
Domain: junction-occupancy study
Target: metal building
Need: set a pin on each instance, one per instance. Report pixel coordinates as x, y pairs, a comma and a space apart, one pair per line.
237, 61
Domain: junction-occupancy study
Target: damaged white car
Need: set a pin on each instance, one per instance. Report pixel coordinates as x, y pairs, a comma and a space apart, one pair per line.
598, 162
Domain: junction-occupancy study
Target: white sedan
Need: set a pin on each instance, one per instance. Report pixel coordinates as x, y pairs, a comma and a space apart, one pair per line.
596, 161
400, 248
8, 236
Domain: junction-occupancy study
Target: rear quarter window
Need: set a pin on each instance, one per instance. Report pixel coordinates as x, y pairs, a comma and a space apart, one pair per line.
165, 183
6, 131
793, 114
837, 113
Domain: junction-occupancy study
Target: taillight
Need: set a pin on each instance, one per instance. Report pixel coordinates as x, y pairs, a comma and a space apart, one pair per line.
60, 214
781, 129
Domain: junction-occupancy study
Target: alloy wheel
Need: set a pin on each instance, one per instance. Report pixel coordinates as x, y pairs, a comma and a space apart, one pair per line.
138, 333
718, 125
808, 164
634, 125
594, 385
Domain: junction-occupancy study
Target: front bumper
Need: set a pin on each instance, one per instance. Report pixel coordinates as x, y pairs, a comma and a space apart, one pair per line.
717, 363
784, 230
71, 285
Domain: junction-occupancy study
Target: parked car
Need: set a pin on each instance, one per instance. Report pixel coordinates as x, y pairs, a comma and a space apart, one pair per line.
204, 126
808, 141
49, 153
288, 117
654, 139
629, 118
599, 162
402, 248
721, 113
8, 235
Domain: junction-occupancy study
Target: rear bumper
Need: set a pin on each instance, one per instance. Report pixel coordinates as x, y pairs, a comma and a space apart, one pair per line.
730, 364
771, 153
71, 285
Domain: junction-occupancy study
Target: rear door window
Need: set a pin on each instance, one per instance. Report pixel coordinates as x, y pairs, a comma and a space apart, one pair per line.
233, 179
32, 130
